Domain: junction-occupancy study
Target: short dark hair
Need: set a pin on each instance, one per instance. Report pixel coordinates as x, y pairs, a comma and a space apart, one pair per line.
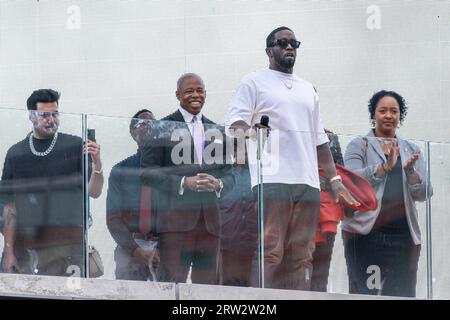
384, 93
42, 95
135, 119
188, 75
271, 37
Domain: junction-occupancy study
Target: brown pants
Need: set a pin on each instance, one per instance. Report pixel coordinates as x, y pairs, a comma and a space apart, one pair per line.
236, 268
181, 250
291, 215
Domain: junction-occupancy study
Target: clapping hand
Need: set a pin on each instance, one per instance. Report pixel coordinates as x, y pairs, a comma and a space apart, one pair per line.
409, 166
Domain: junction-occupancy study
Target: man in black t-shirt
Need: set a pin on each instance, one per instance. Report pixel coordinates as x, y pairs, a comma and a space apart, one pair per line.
42, 192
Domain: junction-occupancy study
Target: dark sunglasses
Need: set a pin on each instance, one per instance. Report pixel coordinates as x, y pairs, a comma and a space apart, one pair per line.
283, 43
141, 123
45, 114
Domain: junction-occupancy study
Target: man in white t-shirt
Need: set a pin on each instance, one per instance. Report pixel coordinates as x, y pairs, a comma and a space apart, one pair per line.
296, 146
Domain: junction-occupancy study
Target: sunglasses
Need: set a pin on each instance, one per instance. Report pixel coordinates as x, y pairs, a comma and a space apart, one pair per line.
46, 114
141, 122
283, 43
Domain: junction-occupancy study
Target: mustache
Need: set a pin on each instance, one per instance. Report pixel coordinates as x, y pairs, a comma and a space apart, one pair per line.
46, 127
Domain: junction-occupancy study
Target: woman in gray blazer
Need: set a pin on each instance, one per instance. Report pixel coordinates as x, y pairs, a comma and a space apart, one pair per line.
382, 246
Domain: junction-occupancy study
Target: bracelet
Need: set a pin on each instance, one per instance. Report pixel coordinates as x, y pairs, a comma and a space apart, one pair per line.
220, 184
98, 171
337, 177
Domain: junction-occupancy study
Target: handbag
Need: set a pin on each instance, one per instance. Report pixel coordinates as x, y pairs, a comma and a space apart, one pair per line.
360, 189
96, 268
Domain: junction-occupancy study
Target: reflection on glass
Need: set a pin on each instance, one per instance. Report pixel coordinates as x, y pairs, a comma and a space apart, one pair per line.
130, 210
239, 228
331, 213
188, 184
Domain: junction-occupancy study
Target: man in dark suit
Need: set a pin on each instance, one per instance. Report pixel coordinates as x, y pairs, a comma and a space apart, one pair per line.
190, 170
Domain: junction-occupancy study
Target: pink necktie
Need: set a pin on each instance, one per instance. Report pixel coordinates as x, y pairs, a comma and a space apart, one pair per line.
197, 136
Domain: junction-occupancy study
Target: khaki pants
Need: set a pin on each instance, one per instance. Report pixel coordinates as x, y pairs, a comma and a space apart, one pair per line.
291, 215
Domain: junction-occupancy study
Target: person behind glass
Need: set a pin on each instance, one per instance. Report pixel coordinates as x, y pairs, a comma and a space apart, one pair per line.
327, 228
1, 220
126, 207
43, 195
188, 188
291, 191
389, 236
239, 219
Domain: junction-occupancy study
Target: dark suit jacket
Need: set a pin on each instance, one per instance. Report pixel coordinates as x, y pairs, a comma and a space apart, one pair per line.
162, 170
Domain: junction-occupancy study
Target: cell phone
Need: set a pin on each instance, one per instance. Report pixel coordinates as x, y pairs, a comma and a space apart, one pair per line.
91, 134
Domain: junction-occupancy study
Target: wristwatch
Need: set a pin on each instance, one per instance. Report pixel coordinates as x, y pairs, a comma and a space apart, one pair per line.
98, 171
220, 184
337, 177
410, 171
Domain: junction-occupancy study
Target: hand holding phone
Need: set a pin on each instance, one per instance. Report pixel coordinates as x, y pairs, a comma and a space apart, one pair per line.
91, 134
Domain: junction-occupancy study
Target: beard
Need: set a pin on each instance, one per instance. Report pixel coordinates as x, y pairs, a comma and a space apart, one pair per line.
46, 131
283, 62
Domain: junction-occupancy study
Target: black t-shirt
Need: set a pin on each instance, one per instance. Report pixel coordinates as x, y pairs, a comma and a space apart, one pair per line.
47, 190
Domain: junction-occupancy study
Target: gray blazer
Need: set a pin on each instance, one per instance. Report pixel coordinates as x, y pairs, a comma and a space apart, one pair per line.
363, 155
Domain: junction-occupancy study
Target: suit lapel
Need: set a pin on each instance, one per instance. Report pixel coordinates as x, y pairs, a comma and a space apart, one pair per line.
375, 145
178, 117
207, 124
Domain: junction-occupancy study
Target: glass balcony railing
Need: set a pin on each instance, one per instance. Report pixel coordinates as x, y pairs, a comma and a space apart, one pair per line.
377, 249
438, 258
164, 215
42, 193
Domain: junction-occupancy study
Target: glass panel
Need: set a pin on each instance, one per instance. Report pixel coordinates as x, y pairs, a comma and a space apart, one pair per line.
42, 190
440, 220
375, 250
189, 220
239, 218
114, 211
291, 207
386, 260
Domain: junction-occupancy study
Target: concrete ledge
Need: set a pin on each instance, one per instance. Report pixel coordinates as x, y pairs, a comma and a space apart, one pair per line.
47, 287
211, 292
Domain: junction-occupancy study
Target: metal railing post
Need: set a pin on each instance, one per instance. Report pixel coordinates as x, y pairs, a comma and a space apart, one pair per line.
259, 150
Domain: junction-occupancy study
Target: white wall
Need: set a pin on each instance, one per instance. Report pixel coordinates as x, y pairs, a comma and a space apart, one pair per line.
128, 53
118, 56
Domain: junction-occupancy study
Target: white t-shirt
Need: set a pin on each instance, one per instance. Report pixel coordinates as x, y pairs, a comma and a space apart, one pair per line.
292, 105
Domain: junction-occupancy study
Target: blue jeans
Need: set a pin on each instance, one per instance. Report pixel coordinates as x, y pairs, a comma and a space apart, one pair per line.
381, 263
